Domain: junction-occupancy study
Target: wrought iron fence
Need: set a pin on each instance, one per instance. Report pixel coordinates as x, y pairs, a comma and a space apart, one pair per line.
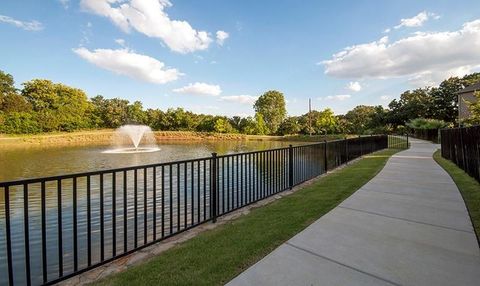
56, 227
398, 141
462, 147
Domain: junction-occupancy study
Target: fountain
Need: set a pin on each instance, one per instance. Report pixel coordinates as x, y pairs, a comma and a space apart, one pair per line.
133, 139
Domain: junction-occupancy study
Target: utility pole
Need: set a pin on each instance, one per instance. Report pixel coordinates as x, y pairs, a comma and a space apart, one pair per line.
310, 116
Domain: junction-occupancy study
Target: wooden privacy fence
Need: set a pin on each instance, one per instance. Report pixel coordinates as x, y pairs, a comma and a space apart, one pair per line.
426, 134
462, 147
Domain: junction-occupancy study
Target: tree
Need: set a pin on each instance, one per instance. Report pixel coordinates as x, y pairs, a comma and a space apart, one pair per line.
14, 102
271, 106
291, 125
135, 113
59, 107
318, 122
325, 121
19, 123
359, 118
7, 86
222, 125
474, 108
254, 125
154, 118
112, 113
73, 108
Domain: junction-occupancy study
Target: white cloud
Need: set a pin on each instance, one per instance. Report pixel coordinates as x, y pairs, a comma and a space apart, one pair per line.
339, 97
387, 30
243, 99
423, 57
354, 86
199, 88
131, 64
121, 42
221, 37
148, 17
384, 97
28, 26
417, 20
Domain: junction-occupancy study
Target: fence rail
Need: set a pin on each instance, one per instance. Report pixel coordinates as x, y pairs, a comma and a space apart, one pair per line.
56, 227
462, 147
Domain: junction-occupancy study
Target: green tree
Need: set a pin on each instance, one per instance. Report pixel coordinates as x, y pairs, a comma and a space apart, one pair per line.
19, 123
58, 107
14, 102
291, 125
135, 113
7, 86
254, 125
271, 106
222, 125
359, 119
112, 113
474, 108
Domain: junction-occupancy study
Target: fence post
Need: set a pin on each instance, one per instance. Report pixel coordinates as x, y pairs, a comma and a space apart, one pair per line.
464, 167
213, 189
325, 155
408, 144
361, 145
346, 150
290, 166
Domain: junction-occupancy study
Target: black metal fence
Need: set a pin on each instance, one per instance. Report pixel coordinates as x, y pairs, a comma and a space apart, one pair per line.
427, 134
462, 147
398, 141
56, 227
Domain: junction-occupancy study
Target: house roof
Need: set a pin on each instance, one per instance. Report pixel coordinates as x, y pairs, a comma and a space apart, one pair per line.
474, 87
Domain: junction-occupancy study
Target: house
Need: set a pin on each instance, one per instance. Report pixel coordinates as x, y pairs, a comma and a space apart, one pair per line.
465, 96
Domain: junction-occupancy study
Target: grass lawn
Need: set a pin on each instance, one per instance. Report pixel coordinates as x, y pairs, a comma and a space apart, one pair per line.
468, 186
216, 256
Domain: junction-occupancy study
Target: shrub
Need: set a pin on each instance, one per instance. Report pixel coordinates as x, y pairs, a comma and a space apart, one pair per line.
19, 123
422, 123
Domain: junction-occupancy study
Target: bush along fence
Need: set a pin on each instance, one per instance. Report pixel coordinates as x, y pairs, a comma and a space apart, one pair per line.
56, 227
462, 147
427, 134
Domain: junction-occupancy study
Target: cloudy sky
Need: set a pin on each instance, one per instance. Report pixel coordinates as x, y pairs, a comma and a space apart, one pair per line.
216, 56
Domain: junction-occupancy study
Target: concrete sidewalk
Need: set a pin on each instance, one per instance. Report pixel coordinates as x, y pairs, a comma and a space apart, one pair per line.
407, 226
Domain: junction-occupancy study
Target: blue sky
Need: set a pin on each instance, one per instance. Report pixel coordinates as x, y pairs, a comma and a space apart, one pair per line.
216, 56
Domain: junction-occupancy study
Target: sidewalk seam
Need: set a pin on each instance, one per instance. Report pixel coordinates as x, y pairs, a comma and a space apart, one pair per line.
405, 219
341, 264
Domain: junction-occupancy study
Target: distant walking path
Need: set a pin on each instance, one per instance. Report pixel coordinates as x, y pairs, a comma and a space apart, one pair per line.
407, 226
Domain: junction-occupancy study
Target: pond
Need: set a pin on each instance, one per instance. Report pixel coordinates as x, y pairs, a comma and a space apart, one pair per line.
16, 164
33, 162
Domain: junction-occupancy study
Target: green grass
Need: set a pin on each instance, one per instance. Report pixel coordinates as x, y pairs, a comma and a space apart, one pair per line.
468, 186
216, 256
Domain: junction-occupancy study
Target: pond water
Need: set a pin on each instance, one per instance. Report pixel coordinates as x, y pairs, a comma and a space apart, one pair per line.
36, 162
185, 201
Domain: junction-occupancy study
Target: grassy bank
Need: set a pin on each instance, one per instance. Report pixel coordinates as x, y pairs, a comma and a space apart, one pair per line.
216, 256
105, 137
468, 186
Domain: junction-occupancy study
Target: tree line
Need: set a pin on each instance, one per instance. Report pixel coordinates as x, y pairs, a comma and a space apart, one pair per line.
44, 106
